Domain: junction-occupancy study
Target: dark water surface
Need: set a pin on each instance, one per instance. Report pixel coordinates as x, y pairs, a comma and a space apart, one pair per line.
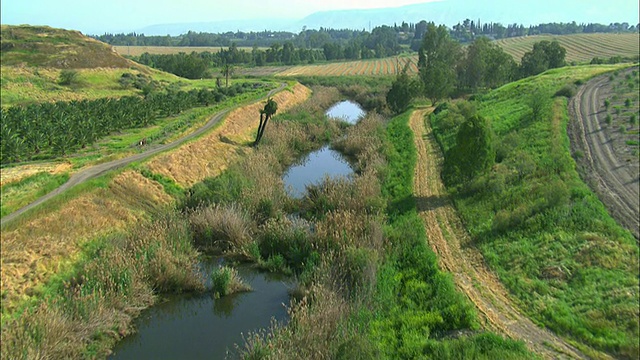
201, 327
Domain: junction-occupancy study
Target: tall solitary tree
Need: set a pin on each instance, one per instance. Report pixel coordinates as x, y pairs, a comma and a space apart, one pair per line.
438, 60
402, 91
266, 113
227, 71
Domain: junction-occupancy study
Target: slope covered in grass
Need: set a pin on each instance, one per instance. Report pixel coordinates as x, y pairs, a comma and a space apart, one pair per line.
545, 233
56, 48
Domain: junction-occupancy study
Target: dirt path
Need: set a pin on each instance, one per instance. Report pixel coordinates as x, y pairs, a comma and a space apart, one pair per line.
97, 170
449, 241
616, 180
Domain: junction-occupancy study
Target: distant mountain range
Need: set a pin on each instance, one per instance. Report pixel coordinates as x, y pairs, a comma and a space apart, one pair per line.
447, 12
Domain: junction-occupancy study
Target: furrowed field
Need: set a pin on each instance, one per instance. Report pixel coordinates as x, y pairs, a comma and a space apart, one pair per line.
580, 47
386, 66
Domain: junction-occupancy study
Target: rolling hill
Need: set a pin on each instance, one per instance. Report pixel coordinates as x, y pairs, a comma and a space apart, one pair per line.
44, 46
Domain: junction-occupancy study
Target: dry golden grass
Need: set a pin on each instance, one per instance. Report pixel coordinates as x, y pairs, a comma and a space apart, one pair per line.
35, 249
14, 174
210, 155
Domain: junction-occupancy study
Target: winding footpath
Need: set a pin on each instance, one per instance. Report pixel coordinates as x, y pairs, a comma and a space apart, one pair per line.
97, 170
616, 182
449, 240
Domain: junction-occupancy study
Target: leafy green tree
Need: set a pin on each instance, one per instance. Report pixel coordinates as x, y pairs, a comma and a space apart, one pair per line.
437, 71
473, 153
544, 55
266, 113
403, 90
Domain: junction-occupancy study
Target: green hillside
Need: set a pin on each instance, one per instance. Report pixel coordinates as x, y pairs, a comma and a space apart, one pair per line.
43, 46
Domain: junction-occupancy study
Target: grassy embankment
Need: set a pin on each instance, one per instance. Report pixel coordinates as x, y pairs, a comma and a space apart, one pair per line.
545, 233
76, 295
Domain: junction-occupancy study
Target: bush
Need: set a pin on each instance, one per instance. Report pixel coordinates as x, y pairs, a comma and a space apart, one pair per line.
226, 281
224, 228
567, 91
68, 77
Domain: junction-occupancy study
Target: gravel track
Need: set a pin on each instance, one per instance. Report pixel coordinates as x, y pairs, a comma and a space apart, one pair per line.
615, 180
449, 240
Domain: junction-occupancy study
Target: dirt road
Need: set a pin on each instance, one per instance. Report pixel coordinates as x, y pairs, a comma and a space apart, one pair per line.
97, 170
615, 179
449, 241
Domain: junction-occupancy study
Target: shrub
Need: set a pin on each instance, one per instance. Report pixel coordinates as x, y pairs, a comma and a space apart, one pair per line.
68, 77
568, 91
607, 119
226, 281
222, 227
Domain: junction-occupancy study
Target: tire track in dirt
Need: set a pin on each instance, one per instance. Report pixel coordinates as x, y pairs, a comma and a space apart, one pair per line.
450, 242
616, 182
97, 170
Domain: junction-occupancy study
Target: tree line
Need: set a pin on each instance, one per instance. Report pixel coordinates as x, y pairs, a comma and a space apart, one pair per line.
47, 130
446, 68
405, 34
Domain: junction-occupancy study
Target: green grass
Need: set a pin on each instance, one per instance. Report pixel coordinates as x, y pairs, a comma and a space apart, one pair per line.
416, 302
545, 233
21, 193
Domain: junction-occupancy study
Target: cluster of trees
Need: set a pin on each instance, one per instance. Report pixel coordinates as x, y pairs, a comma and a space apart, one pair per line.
381, 43
445, 67
190, 66
57, 129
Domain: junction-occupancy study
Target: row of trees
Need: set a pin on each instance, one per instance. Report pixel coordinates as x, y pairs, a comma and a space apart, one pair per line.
445, 67
196, 64
57, 129
405, 33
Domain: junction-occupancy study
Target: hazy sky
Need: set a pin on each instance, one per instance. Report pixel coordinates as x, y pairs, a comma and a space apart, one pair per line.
99, 16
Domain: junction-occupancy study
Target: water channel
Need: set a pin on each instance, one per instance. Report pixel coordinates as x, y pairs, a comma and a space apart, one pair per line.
197, 326
325, 162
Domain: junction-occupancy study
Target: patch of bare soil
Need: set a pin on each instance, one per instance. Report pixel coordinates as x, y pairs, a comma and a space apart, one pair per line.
602, 142
449, 240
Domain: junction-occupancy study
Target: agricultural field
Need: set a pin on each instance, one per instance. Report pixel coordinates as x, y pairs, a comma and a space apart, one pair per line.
168, 50
373, 67
580, 47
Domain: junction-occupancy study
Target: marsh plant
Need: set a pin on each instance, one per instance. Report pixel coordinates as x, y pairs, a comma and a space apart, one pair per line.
226, 281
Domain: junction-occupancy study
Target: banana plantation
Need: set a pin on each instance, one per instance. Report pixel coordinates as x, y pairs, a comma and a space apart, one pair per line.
48, 130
